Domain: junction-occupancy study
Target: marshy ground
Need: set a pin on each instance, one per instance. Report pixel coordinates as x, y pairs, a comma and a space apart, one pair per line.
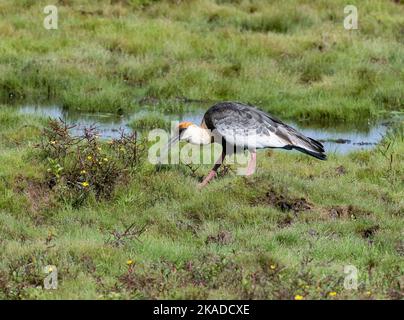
286, 232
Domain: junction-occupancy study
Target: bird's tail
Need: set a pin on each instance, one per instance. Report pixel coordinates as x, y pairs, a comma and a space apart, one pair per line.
318, 155
310, 146
301, 143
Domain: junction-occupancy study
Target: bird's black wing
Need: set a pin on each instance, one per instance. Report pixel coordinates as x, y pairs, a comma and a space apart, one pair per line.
230, 117
234, 115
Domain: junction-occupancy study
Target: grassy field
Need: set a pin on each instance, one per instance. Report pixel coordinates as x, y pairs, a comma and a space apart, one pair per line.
293, 58
285, 233
289, 230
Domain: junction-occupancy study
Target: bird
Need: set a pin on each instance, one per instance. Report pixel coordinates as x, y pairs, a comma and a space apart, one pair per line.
242, 126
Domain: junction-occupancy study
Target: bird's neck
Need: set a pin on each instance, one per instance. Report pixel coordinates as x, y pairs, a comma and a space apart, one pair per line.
199, 135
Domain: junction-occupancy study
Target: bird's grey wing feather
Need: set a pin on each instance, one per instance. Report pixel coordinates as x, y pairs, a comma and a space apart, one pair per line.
232, 115
235, 120
232, 118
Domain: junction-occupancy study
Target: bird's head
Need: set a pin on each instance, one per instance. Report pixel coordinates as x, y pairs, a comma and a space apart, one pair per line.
181, 133
190, 132
184, 129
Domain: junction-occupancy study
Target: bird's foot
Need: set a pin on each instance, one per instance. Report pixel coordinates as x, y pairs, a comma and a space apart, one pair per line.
205, 181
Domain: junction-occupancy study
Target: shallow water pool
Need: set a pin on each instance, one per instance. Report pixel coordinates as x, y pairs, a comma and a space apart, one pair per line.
336, 139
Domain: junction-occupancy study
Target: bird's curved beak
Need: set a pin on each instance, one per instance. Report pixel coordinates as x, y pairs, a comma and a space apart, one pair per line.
164, 151
172, 141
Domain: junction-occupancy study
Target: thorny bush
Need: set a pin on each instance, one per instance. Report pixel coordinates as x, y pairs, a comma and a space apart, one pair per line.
82, 165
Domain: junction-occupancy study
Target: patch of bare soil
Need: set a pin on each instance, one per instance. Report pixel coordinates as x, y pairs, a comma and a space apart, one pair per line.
283, 202
368, 233
222, 238
37, 192
346, 212
4, 282
340, 170
285, 221
134, 281
400, 250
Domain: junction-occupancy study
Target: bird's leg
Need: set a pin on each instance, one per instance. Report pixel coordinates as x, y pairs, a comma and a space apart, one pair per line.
213, 172
252, 163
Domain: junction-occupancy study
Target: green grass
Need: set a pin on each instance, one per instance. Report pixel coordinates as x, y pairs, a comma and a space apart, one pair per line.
288, 230
150, 121
237, 238
293, 58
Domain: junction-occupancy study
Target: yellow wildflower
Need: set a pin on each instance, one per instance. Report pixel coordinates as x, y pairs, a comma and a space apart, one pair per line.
83, 172
89, 157
299, 297
129, 262
85, 184
273, 266
53, 142
369, 293
332, 294
105, 159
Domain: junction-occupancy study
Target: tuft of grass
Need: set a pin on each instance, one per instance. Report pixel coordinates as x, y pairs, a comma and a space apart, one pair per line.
150, 121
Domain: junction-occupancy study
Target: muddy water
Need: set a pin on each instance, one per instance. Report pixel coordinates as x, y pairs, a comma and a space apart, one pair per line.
338, 139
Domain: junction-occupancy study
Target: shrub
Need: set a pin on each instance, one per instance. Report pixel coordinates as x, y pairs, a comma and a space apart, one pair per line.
79, 166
